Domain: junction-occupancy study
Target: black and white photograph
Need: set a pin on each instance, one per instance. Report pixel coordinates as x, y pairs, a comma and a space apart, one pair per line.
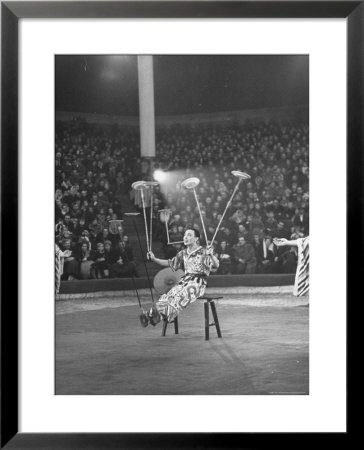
181, 224
169, 170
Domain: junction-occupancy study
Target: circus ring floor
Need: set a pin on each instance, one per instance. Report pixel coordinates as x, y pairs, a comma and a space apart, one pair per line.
101, 348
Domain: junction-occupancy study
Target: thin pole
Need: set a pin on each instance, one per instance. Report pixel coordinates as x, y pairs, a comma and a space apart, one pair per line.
145, 219
151, 218
132, 277
227, 206
145, 264
165, 221
136, 290
203, 225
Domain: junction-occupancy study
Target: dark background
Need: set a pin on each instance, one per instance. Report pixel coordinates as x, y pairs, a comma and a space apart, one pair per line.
183, 84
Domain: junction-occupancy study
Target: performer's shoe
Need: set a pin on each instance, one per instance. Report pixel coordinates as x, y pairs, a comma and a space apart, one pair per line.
153, 316
144, 319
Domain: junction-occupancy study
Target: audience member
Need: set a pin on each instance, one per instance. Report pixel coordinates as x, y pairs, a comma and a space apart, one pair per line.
123, 264
265, 253
70, 264
225, 254
287, 261
245, 258
101, 266
85, 261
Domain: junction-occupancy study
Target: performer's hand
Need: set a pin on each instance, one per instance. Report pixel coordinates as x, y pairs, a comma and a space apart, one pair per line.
279, 242
150, 256
209, 250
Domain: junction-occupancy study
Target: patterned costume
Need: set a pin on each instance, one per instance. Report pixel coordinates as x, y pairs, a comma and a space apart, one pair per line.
197, 266
301, 284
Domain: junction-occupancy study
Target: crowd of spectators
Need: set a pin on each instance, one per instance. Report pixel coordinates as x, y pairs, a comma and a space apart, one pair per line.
96, 165
274, 202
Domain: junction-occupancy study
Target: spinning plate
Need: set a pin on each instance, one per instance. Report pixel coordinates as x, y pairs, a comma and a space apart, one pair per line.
151, 183
132, 214
166, 279
139, 185
242, 175
190, 183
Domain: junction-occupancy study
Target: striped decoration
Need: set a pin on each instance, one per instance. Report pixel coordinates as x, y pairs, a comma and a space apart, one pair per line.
301, 285
58, 264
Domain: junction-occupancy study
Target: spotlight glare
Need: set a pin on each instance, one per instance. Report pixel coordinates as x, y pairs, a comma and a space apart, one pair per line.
159, 175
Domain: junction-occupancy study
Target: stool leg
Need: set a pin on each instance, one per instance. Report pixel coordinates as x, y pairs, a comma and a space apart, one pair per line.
164, 329
207, 320
176, 325
216, 320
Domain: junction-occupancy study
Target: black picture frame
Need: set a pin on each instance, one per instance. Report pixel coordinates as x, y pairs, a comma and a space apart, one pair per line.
11, 12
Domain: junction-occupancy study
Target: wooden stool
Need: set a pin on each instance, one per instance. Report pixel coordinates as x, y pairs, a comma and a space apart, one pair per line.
215, 323
165, 324
209, 302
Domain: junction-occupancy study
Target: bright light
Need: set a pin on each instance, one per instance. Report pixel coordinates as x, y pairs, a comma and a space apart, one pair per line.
159, 175
114, 67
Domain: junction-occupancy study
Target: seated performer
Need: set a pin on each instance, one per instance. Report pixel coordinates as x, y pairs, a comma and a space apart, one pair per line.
301, 284
197, 264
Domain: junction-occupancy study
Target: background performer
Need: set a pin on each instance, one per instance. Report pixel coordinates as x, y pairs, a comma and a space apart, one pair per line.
301, 284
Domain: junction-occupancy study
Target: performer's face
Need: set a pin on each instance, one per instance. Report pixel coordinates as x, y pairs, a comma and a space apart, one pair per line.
189, 237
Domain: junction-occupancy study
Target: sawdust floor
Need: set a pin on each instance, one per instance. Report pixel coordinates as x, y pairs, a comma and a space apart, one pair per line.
263, 350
